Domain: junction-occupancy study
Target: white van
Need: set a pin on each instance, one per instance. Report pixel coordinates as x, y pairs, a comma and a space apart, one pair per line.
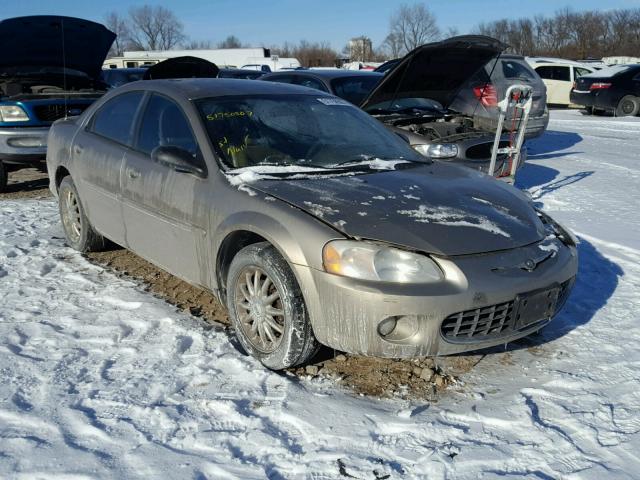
559, 76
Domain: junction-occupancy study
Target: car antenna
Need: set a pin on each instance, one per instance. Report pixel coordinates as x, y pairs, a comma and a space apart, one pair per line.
64, 70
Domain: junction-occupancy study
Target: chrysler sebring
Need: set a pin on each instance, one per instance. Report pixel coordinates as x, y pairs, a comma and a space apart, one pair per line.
308, 219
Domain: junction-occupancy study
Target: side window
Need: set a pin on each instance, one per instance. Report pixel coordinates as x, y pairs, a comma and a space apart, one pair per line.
115, 118
545, 72
164, 124
311, 83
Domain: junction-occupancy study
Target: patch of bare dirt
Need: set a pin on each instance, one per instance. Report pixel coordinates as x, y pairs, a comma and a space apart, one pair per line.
28, 182
420, 379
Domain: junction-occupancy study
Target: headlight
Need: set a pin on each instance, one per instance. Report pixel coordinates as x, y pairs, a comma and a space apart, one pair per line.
13, 113
438, 150
368, 261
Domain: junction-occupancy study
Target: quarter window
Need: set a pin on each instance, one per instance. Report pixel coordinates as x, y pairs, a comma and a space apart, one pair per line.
115, 118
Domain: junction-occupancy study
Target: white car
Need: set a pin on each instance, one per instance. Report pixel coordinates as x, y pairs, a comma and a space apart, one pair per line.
559, 77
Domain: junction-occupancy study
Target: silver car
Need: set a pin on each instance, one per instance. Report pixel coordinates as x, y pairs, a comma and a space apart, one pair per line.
310, 220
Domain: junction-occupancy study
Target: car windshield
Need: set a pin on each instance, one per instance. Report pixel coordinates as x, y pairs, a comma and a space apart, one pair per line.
407, 106
302, 130
354, 89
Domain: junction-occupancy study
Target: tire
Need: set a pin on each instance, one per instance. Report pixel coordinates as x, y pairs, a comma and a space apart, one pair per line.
254, 322
4, 177
78, 231
628, 106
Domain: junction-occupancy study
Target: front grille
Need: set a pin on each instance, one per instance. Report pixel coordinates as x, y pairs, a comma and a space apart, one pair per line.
492, 322
479, 324
52, 112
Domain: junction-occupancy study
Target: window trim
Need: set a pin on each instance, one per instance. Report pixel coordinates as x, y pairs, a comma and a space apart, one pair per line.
89, 127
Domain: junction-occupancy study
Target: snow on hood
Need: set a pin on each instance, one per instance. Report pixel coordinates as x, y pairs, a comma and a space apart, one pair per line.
439, 208
37, 41
436, 71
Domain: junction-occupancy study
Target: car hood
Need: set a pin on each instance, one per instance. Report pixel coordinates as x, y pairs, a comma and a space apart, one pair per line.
436, 71
54, 41
436, 208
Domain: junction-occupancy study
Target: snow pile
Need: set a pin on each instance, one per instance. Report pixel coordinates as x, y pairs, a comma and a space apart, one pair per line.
102, 380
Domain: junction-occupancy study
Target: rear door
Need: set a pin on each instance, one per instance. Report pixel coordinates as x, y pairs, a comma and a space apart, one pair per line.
98, 151
164, 210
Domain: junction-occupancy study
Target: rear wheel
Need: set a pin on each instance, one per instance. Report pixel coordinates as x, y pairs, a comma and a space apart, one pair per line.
78, 231
267, 309
4, 177
628, 106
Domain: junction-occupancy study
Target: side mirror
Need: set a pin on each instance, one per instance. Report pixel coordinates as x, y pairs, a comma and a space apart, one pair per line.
177, 158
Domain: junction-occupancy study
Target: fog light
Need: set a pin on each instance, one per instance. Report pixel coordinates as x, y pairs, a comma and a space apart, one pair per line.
387, 326
27, 142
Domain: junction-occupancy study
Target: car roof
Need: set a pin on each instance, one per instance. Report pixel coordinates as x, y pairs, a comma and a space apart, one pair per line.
194, 88
328, 74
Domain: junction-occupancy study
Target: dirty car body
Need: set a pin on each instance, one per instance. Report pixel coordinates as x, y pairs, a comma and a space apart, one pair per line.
49, 68
394, 255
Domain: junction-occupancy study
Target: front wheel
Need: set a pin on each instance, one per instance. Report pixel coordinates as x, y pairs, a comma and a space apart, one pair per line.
4, 177
628, 106
78, 231
267, 309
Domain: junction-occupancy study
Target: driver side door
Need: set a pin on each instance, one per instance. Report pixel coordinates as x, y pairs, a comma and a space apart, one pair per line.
165, 211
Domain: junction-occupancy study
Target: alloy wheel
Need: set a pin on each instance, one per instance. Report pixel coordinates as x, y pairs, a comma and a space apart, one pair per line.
71, 216
259, 308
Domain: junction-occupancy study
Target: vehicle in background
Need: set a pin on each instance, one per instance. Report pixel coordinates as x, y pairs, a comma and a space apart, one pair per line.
309, 220
231, 57
182, 67
559, 76
49, 69
242, 73
479, 97
352, 85
614, 89
115, 77
498, 76
388, 65
434, 95
258, 67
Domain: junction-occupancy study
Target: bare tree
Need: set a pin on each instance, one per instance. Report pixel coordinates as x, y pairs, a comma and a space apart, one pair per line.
414, 25
392, 45
118, 25
230, 42
155, 28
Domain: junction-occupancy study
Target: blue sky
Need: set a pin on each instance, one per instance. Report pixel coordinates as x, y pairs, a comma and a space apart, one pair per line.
274, 21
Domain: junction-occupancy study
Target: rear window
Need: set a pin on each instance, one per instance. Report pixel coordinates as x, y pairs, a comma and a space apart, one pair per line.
515, 70
354, 89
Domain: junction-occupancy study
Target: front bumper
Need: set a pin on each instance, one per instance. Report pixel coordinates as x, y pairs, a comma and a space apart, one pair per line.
23, 144
346, 313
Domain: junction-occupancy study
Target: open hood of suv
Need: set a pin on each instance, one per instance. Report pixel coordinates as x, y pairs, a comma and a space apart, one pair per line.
54, 41
435, 71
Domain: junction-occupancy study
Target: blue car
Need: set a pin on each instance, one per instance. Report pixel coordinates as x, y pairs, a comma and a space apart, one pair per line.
49, 69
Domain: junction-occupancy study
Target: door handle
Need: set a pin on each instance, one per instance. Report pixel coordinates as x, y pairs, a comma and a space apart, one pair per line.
133, 173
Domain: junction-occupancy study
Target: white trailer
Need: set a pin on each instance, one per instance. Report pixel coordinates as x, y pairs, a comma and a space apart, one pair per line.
223, 57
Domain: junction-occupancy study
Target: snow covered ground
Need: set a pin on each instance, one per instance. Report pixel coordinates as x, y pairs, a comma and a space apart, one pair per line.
99, 379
